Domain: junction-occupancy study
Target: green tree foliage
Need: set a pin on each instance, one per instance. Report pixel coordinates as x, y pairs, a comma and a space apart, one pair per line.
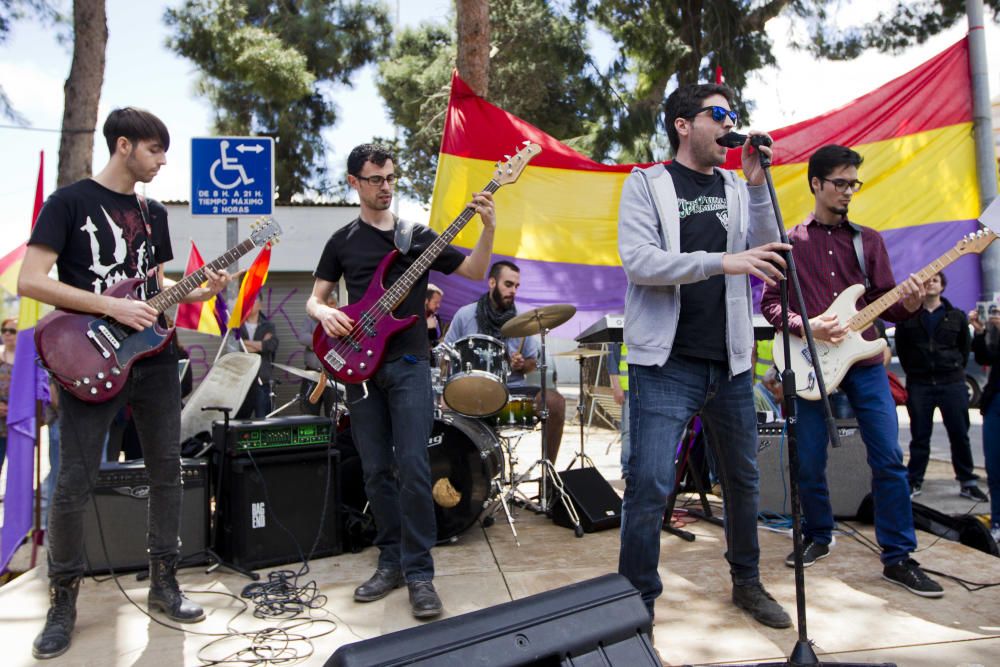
908, 23
268, 68
539, 71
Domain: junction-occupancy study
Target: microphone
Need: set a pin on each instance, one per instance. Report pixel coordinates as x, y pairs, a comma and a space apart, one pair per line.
735, 140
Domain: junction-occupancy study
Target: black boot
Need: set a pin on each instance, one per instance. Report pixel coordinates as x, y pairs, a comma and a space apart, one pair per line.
54, 638
165, 595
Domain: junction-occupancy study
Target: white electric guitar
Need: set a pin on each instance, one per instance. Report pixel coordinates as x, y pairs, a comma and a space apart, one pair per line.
836, 359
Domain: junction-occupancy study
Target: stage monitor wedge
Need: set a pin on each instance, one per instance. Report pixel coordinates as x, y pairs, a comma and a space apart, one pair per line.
600, 621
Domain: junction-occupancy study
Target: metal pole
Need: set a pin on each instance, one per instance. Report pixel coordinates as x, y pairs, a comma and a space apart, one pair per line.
982, 132
233, 288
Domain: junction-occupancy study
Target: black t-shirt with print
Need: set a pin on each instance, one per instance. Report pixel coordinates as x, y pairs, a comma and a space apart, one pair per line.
354, 252
704, 213
101, 239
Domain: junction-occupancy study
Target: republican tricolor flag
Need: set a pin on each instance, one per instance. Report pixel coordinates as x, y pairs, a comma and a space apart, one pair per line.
253, 280
207, 317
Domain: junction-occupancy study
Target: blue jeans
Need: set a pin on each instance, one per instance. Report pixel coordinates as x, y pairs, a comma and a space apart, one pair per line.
991, 448
154, 392
867, 389
662, 400
399, 409
626, 449
953, 401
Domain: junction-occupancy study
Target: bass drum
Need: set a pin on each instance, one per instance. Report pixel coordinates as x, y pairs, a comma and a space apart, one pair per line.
465, 458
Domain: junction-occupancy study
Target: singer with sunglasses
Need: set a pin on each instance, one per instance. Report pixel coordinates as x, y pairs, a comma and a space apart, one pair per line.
828, 262
689, 235
392, 414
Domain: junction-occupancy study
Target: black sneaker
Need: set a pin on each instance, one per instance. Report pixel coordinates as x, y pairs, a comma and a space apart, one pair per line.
915, 490
908, 574
811, 552
973, 492
764, 609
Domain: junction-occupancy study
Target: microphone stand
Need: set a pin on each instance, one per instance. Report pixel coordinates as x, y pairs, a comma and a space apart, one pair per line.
802, 654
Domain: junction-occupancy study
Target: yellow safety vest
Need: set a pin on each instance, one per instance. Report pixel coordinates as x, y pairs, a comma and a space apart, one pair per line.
623, 369
765, 359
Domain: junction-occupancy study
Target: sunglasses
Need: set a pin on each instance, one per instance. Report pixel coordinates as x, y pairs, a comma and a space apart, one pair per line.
378, 180
841, 185
718, 114
10, 331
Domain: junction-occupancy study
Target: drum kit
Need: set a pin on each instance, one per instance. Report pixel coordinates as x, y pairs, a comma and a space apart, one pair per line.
478, 418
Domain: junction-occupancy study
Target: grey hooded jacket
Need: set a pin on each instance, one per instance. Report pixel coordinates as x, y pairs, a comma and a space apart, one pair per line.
649, 245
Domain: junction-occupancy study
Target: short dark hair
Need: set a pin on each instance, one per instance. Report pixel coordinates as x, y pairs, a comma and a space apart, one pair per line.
944, 279
377, 154
828, 158
135, 125
685, 102
500, 266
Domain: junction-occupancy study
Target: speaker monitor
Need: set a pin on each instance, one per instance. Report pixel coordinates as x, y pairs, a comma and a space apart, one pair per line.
847, 473
121, 496
274, 505
601, 621
596, 503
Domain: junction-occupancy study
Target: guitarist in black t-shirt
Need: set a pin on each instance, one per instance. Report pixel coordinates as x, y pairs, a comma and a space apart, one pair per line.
98, 232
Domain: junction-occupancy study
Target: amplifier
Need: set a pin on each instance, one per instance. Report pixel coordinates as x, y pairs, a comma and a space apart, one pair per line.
277, 432
848, 475
278, 507
121, 495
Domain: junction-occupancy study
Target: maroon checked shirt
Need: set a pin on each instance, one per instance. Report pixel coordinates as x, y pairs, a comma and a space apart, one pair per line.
827, 265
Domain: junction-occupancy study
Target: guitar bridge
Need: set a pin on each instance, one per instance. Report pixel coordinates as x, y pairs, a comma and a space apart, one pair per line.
334, 360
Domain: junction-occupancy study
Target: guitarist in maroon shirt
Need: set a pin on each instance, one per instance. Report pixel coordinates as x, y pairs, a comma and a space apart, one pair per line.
392, 414
97, 232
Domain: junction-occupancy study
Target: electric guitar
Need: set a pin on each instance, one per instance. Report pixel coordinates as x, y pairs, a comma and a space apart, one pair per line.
355, 357
91, 356
836, 359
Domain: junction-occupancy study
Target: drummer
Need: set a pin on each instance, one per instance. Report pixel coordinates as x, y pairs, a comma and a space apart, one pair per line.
486, 316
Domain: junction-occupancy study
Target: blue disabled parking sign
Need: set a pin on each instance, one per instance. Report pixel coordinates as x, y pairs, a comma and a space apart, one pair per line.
232, 176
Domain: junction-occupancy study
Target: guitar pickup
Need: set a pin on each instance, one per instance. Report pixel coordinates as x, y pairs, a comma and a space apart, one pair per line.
369, 329
110, 336
97, 343
334, 360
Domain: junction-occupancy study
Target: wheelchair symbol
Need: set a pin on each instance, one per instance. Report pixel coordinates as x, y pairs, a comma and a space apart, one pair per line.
230, 164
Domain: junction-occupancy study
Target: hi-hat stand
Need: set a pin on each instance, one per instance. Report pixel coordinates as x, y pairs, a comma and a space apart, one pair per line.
580, 354
802, 654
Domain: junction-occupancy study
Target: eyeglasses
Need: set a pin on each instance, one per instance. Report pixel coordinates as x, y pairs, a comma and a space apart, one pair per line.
719, 114
10, 331
841, 185
378, 180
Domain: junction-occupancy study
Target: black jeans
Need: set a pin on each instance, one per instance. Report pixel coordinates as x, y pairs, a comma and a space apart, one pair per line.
953, 401
154, 392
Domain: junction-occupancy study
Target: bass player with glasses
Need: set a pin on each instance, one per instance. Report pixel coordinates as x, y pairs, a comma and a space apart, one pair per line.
392, 414
833, 253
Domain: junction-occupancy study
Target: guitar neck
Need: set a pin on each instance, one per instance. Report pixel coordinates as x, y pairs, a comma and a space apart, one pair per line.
864, 317
175, 293
395, 294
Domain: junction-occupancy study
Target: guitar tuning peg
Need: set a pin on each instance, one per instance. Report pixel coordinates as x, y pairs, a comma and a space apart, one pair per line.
526, 142
507, 157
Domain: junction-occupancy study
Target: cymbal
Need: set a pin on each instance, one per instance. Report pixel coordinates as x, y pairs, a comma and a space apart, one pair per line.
533, 321
312, 376
582, 352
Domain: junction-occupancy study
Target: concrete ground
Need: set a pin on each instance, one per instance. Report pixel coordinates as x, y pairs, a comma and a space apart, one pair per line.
853, 614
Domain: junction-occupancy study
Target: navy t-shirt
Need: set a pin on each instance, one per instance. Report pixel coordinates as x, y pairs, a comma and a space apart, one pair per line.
354, 252
704, 216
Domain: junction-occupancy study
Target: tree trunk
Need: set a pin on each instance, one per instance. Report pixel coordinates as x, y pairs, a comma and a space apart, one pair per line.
474, 43
83, 90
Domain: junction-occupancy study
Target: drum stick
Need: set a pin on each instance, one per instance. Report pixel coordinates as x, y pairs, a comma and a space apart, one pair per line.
521, 346
318, 391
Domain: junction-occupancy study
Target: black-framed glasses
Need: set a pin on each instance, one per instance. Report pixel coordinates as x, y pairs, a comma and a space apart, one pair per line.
841, 185
719, 114
10, 331
377, 180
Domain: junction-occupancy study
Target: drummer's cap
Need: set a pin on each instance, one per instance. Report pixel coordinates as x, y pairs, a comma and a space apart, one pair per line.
434, 289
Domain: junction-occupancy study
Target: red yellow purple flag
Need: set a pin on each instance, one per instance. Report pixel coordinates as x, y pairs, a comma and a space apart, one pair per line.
559, 221
208, 316
253, 280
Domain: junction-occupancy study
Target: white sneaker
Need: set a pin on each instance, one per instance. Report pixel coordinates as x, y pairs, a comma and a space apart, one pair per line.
995, 532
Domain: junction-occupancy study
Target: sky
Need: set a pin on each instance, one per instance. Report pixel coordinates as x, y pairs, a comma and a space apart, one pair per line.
142, 71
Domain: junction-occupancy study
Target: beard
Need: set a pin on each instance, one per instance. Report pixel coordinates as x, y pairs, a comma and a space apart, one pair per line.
498, 300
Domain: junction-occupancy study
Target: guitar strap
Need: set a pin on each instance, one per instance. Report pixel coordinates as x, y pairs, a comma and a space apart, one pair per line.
403, 238
152, 286
859, 252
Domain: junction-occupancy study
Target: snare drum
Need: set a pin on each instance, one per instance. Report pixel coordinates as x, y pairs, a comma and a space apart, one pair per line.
477, 387
519, 413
